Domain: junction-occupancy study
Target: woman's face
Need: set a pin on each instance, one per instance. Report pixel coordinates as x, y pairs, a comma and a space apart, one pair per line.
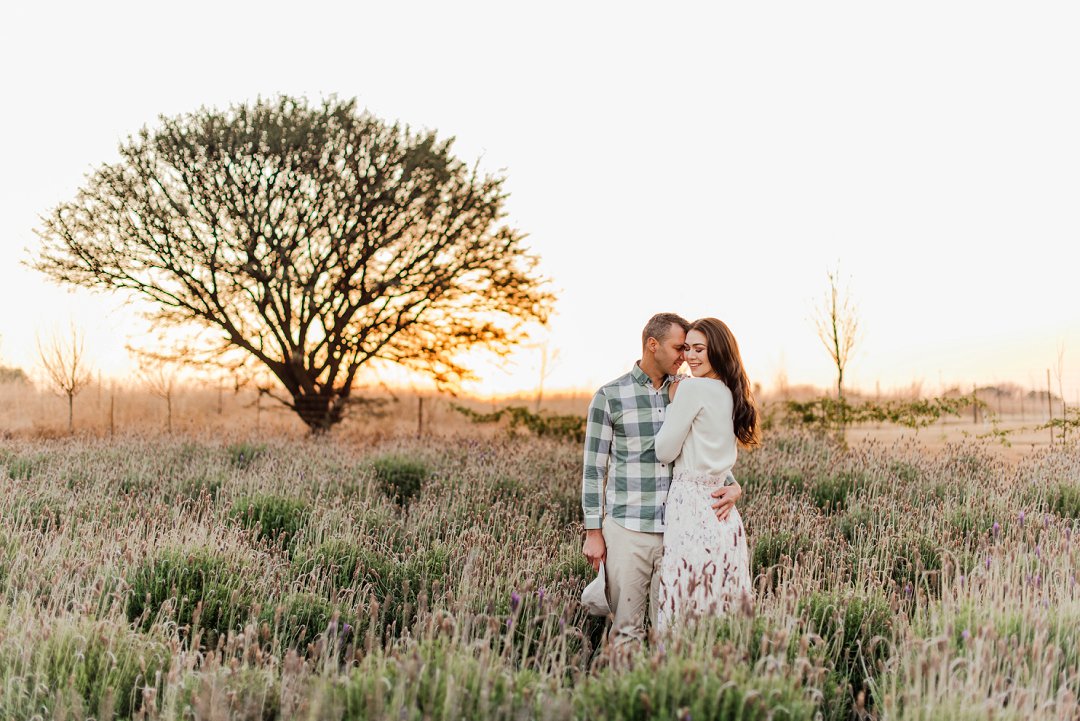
697, 355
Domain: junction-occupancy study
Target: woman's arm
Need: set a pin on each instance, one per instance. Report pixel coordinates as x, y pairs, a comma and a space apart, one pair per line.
680, 416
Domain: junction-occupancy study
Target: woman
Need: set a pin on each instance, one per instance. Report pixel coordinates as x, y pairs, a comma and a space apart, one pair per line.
706, 566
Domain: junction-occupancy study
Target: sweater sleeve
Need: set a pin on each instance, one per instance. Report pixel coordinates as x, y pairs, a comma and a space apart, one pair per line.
680, 417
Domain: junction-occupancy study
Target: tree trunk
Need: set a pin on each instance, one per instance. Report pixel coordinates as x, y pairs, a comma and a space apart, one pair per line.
71, 413
318, 411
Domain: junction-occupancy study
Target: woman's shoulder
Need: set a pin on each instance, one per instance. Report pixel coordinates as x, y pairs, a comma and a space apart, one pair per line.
697, 389
704, 385
707, 389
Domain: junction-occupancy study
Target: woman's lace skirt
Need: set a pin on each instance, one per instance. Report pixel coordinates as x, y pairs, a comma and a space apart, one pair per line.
706, 565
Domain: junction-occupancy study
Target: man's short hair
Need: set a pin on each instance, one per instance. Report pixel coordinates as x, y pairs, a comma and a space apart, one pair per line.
660, 324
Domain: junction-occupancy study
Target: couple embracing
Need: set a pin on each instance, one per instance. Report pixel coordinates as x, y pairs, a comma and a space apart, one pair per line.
665, 533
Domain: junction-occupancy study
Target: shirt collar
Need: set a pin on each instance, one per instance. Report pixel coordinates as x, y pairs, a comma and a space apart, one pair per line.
642, 378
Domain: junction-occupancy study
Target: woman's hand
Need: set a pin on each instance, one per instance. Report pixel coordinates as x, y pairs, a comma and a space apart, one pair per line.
672, 389
726, 497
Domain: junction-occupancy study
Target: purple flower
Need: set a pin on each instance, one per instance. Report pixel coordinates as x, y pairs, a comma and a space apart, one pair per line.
907, 589
996, 529
988, 563
540, 595
1038, 550
515, 600
965, 634
962, 579
1021, 519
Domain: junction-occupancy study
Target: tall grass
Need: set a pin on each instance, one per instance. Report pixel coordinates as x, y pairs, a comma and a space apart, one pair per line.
438, 578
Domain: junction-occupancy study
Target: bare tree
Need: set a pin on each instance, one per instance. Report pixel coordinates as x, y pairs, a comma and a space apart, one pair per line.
308, 239
548, 359
66, 368
161, 380
1059, 373
837, 326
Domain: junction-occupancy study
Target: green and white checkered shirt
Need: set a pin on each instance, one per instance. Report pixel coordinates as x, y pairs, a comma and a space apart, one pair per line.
620, 436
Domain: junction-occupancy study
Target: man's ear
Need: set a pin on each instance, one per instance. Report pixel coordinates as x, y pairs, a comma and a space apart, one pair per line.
652, 344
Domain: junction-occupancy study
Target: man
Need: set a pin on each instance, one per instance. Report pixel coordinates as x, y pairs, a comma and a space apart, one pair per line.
625, 530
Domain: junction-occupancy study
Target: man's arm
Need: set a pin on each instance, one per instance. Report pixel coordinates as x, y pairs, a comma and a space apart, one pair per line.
598, 432
726, 495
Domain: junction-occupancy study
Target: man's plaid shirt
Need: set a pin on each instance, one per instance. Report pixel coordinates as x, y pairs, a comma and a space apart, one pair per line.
620, 435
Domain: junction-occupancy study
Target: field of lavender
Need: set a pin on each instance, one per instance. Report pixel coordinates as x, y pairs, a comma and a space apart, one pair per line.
176, 578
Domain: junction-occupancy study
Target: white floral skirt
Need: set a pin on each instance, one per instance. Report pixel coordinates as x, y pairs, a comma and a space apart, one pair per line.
705, 570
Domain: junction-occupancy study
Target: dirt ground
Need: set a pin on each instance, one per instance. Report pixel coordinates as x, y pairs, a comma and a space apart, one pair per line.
1013, 436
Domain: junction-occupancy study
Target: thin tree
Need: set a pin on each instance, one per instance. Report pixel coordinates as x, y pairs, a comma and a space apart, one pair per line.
1059, 373
66, 369
161, 380
837, 324
309, 239
548, 359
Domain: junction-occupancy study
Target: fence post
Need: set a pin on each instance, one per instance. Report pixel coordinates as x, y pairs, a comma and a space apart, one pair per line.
1050, 406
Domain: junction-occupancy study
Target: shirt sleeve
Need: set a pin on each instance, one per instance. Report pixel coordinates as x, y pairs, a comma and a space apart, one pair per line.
598, 431
681, 413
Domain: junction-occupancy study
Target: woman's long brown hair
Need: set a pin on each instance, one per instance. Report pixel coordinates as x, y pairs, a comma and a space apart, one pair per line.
726, 360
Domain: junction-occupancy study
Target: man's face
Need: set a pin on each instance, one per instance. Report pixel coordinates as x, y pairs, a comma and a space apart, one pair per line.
669, 354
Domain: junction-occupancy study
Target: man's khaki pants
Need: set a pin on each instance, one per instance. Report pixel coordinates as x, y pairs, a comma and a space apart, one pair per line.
633, 577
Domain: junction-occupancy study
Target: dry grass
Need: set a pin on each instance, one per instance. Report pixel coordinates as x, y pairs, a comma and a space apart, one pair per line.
172, 577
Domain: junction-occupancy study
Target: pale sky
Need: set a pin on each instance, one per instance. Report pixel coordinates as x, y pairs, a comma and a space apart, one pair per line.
708, 159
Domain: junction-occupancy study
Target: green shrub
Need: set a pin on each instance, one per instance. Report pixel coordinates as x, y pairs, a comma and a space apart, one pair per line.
748, 635
242, 455
916, 562
400, 478
206, 482
857, 630
567, 428
346, 564
437, 680
190, 581
42, 514
300, 618
1063, 499
395, 584
23, 468
88, 670
690, 688
905, 472
575, 571
971, 524
273, 518
507, 489
855, 524
134, 482
244, 694
831, 493
770, 549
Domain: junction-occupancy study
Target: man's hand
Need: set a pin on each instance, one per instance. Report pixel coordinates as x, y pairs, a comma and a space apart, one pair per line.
726, 495
594, 549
